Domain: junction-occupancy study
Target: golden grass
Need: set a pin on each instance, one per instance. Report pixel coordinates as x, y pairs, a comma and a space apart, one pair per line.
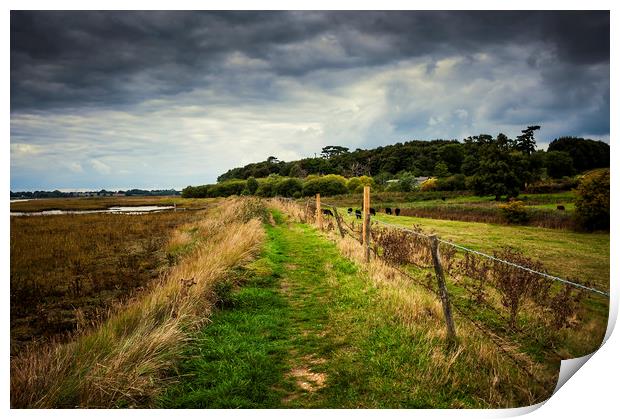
123, 361
67, 262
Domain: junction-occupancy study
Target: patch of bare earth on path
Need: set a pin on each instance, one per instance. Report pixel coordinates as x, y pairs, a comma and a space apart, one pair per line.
306, 379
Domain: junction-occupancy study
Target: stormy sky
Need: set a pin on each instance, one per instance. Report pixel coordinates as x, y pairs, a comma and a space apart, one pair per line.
167, 99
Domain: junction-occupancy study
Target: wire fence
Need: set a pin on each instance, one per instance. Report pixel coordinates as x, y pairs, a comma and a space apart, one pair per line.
480, 282
491, 257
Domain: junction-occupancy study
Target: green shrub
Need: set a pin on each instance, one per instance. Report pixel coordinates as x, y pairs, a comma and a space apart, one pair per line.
289, 187
252, 185
592, 204
325, 185
551, 186
515, 212
353, 184
452, 183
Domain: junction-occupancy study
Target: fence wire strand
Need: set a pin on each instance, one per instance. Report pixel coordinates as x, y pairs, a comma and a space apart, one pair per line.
494, 338
514, 265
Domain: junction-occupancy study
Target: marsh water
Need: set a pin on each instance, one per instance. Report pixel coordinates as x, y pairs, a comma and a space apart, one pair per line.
112, 210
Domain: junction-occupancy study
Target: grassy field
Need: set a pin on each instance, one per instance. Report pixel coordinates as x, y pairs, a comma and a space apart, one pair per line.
580, 256
99, 203
67, 269
307, 327
460, 206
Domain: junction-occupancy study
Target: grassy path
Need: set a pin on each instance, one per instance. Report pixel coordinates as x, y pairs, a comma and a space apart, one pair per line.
304, 330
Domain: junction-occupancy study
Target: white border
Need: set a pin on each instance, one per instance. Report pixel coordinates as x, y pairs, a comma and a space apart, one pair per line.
591, 393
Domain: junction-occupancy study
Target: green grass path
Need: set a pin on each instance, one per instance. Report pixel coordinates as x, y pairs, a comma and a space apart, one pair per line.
303, 330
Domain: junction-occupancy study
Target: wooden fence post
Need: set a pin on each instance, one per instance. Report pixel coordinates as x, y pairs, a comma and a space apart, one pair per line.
362, 232
337, 216
443, 291
367, 238
365, 213
319, 214
366, 224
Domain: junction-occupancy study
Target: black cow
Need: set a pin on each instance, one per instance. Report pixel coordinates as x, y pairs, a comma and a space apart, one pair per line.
372, 211
350, 211
328, 212
561, 207
443, 198
397, 211
358, 214
388, 211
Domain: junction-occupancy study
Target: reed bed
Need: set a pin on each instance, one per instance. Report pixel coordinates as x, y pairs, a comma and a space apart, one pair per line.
69, 268
123, 361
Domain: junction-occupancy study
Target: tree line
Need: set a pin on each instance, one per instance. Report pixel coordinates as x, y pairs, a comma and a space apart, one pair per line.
486, 165
59, 194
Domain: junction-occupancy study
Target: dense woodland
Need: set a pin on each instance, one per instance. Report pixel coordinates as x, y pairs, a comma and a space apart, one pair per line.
483, 164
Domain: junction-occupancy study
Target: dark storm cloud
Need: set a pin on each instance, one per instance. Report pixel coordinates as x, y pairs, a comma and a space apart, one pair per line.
111, 58
166, 99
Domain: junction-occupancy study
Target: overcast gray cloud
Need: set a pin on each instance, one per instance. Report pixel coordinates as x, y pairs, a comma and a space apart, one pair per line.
166, 99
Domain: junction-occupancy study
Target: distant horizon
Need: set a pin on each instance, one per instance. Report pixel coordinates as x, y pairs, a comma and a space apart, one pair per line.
115, 189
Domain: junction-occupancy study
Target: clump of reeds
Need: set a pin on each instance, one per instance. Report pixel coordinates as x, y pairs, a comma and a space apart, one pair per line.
123, 361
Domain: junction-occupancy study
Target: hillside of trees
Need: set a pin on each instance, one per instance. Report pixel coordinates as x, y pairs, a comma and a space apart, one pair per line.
486, 165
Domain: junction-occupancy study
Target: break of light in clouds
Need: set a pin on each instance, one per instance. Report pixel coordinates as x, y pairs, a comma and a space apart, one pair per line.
168, 99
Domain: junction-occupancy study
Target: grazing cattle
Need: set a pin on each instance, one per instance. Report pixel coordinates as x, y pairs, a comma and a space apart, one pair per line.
388, 210
350, 211
328, 212
397, 211
358, 214
372, 211
443, 198
561, 207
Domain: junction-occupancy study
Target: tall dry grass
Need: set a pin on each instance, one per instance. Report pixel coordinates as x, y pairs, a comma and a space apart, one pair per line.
67, 268
124, 361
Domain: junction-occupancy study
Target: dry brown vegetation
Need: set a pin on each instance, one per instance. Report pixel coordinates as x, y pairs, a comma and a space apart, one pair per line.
69, 268
100, 203
123, 360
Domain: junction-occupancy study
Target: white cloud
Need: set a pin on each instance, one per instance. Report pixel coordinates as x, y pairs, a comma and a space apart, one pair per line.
75, 167
100, 167
23, 150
